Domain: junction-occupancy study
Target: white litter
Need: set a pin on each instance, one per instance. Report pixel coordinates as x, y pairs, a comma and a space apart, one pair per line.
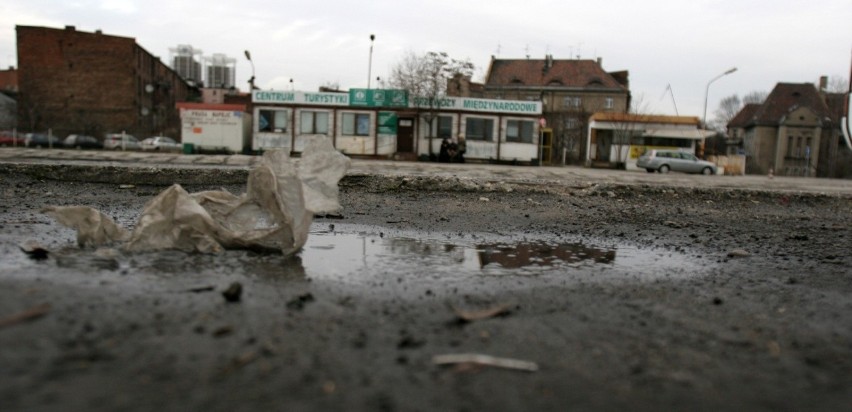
485, 360
275, 213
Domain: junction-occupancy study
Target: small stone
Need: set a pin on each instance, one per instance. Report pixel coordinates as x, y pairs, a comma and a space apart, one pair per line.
223, 331
736, 253
717, 301
233, 293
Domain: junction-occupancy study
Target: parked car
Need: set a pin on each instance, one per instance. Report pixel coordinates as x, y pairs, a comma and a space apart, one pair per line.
81, 141
113, 141
161, 143
664, 161
7, 138
41, 140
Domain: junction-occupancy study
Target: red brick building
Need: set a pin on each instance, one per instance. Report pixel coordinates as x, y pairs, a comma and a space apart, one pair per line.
79, 82
9, 80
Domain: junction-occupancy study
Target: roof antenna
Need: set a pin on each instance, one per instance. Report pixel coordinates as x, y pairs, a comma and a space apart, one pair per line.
527, 50
498, 48
670, 92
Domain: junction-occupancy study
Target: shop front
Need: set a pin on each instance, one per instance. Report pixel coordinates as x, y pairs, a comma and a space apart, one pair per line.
385, 123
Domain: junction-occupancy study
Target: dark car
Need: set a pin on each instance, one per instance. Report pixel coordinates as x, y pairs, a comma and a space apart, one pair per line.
82, 141
7, 138
42, 140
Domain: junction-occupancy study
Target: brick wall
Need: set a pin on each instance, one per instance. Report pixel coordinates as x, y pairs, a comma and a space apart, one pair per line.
79, 82
9, 80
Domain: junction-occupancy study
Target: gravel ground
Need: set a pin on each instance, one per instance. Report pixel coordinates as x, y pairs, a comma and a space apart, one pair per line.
746, 304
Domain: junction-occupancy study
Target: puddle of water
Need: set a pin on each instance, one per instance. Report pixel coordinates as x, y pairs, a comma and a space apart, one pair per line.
363, 255
345, 254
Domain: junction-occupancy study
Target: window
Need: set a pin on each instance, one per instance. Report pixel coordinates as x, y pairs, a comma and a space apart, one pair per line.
572, 101
445, 126
608, 103
273, 121
572, 123
520, 131
478, 128
313, 122
356, 124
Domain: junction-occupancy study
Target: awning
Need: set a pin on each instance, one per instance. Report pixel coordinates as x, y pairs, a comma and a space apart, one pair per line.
692, 134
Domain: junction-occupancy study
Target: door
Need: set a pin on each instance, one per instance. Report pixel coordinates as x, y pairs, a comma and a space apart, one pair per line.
405, 135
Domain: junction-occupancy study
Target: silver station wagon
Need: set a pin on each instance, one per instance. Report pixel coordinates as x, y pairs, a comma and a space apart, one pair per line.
664, 161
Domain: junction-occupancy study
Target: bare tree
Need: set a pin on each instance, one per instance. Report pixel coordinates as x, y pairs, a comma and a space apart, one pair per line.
425, 78
755, 97
837, 84
728, 108
731, 105
624, 132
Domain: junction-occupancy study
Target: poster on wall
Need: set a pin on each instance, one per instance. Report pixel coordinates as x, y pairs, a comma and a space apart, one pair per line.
387, 122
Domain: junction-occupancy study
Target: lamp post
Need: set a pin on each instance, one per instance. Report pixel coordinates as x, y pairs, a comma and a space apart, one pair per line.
251, 80
291, 85
370, 64
707, 90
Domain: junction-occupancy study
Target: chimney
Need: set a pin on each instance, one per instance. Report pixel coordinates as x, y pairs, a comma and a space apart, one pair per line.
600, 61
98, 31
823, 83
548, 61
70, 28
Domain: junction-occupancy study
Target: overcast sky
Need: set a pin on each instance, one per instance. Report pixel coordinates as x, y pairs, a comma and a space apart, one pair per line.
682, 43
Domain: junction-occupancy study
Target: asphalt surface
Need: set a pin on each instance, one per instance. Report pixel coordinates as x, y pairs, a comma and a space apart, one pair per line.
570, 175
674, 292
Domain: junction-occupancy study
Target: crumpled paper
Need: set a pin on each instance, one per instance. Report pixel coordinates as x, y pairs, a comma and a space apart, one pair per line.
274, 214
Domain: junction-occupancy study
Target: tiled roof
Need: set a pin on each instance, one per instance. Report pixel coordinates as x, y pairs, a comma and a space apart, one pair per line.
645, 118
561, 73
786, 97
745, 115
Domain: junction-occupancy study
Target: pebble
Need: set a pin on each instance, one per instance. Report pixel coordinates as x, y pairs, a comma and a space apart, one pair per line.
738, 253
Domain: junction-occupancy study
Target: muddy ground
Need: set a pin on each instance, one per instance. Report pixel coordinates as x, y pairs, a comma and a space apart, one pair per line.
761, 319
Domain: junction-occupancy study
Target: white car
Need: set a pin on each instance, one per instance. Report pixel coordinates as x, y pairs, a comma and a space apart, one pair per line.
161, 143
117, 141
665, 160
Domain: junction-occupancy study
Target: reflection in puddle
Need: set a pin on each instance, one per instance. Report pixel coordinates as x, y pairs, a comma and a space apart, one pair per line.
541, 254
338, 254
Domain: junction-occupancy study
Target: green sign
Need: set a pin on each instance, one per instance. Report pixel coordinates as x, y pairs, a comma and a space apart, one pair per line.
378, 97
387, 122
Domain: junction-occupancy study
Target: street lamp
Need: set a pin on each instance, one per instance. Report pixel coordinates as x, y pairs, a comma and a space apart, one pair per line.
291, 85
707, 90
370, 65
251, 80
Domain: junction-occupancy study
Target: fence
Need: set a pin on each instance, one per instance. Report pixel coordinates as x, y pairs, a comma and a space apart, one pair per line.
733, 165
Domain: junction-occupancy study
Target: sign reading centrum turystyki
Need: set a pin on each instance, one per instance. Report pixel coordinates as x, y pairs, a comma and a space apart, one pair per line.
321, 99
391, 98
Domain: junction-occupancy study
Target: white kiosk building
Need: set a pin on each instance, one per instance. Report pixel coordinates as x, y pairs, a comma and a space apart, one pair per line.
385, 123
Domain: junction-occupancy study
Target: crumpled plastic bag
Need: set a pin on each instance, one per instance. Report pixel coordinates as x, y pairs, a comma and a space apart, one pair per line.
275, 213
93, 227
